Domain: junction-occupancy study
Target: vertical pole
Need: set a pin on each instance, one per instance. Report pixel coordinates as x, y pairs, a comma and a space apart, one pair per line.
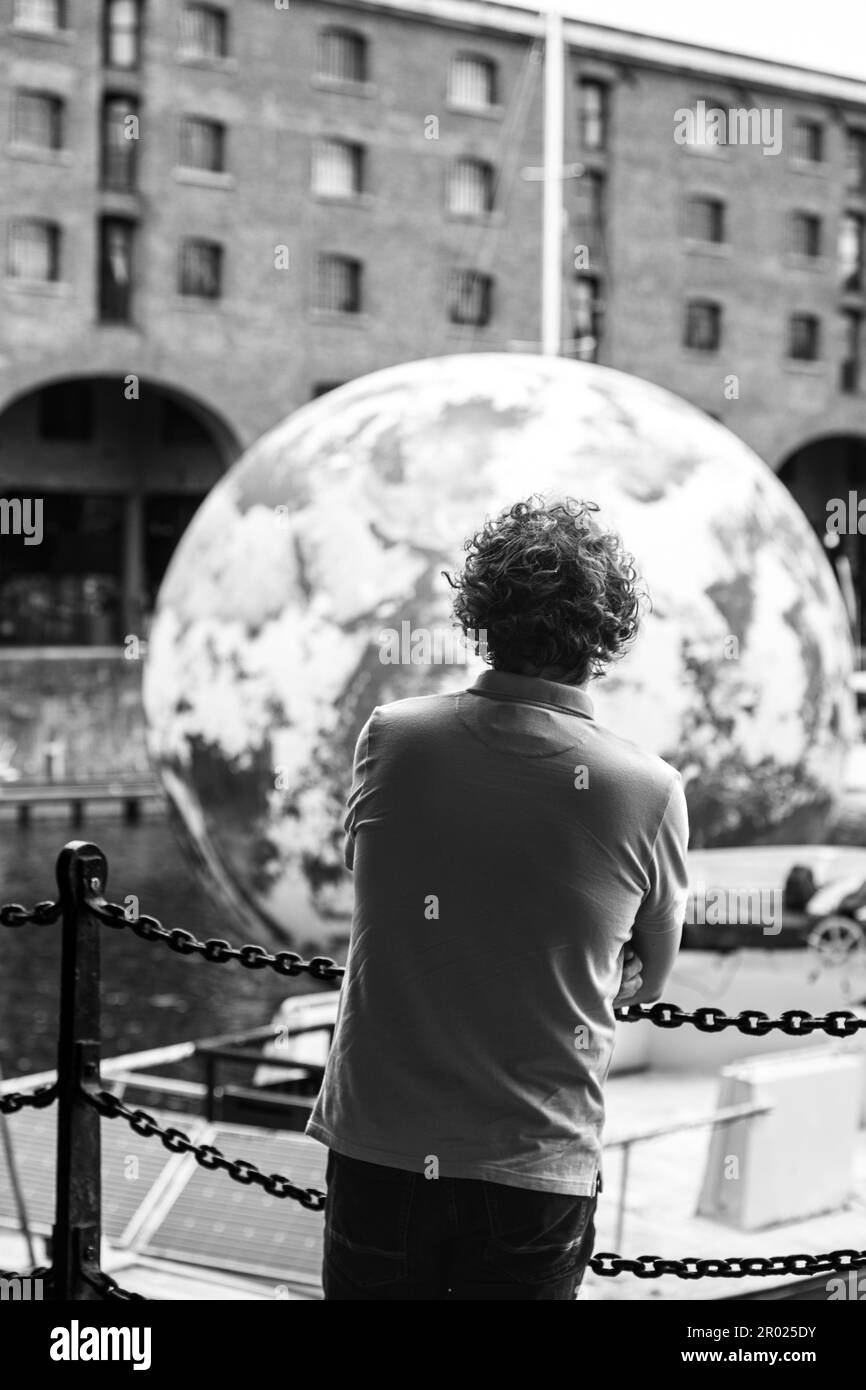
623, 1185
81, 870
554, 149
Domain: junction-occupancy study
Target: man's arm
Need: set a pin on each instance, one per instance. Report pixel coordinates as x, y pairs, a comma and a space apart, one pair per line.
359, 772
658, 927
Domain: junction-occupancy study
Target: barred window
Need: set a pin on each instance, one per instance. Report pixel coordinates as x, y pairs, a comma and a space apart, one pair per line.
119, 148
34, 250
121, 33
705, 219
590, 192
804, 234
342, 55
45, 16
200, 274
808, 142
850, 252
703, 329
204, 32
852, 325
587, 317
338, 284
470, 187
469, 297
855, 159
115, 269
37, 120
592, 99
707, 131
202, 144
472, 82
337, 169
803, 337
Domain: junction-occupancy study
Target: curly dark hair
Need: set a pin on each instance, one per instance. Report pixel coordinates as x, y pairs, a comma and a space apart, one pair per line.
544, 587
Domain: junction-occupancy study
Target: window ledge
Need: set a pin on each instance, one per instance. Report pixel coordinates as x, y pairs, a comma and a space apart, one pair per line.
340, 84
476, 219
201, 60
198, 304
695, 355
820, 169
54, 289
52, 35
695, 246
708, 151
794, 364
203, 178
489, 113
339, 319
795, 262
40, 155
346, 200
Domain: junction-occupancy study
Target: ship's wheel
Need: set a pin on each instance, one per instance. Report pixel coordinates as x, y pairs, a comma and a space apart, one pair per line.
835, 939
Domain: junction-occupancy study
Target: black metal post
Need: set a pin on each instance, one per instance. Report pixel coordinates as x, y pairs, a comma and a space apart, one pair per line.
81, 871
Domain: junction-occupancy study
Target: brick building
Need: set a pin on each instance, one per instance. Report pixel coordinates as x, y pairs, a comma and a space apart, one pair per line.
212, 213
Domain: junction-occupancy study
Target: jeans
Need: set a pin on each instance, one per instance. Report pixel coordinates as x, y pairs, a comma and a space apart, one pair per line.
391, 1234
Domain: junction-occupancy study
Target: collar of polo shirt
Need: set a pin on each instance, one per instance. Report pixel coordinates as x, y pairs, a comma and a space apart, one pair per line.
510, 685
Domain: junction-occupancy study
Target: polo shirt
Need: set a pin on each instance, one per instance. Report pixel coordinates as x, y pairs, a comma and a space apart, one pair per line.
504, 845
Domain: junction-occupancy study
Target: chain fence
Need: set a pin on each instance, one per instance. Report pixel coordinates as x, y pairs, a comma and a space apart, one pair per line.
838, 1023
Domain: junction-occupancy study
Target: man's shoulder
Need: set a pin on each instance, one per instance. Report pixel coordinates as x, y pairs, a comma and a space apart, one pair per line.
417, 709
637, 762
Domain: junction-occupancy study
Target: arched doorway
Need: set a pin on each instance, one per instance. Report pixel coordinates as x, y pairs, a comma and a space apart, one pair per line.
104, 474
831, 470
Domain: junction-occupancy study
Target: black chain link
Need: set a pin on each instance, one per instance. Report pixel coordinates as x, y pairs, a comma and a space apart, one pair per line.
275, 1184
797, 1023
14, 1101
216, 951
44, 1273
111, 1290
14, 915
735, 1267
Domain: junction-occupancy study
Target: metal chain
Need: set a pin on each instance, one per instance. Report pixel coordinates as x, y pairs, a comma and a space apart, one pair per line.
43, 1272
205, 1154
797, 1023
111, 1290
14, 915
735, 1267
14, 1101
216, 951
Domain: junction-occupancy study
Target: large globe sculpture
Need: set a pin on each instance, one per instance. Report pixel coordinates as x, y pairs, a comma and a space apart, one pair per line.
270, 644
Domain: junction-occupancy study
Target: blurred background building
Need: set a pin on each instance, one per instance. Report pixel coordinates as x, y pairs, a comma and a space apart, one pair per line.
214, 213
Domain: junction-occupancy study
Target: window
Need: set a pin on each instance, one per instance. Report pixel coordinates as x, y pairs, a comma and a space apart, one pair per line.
469, 297
119, 142
121, 33
65, 411
204, 32
703, 325
803, 336
472, 82
42, 16
67, 590
855, 159
587, 318
177, 425
116, 236
591, 201
202, 144
34, 250
705, 219
808, 142
338, 284
166, 517
37, 121
592, 100
321, 388
337, 169
707, 130
852, 324
804, 234
200, 275
342, 55
850, 252
470, 188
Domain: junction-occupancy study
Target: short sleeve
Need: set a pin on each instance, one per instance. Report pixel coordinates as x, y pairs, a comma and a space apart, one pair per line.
664, 904
359, 774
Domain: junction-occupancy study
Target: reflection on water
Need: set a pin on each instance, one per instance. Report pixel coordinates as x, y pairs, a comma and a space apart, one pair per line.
150, 995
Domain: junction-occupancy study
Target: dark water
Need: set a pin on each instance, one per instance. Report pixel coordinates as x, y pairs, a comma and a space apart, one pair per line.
150, 995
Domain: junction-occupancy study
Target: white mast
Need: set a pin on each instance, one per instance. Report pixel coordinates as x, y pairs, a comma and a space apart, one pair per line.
554, 149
